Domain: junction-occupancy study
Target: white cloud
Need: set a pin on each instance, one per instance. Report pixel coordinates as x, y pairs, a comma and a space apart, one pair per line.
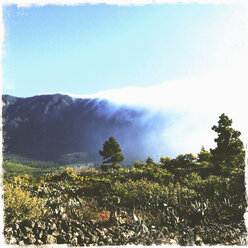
206, 93
197, 101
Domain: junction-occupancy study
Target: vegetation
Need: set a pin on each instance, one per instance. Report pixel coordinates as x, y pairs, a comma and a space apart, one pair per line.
79, 159
17, 159
20, 205
185, 191
229, 153
111, 153
17, 169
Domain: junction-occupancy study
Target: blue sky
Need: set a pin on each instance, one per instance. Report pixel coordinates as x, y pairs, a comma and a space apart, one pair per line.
90, 48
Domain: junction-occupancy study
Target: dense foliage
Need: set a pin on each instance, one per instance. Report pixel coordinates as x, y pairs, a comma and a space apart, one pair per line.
185, 191
111, 151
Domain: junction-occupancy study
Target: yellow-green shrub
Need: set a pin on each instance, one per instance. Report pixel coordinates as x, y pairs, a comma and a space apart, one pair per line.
20, 205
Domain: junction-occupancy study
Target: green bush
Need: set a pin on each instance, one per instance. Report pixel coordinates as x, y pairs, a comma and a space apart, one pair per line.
209, 188
135, 194
20, 205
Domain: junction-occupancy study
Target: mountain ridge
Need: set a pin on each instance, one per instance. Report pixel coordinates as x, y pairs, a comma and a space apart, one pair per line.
50, 126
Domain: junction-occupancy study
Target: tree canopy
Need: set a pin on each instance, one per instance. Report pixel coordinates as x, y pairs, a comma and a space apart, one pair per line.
230, 149
111, 151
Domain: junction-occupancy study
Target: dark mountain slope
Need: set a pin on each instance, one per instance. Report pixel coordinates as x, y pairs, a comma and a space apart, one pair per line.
50, 126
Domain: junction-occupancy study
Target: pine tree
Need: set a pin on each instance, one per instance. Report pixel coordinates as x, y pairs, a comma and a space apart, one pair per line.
230, 151
111, 151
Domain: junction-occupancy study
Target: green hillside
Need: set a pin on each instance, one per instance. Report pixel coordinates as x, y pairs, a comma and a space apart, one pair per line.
16, 169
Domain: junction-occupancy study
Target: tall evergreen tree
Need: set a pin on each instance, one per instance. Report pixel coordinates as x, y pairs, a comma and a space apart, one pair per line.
111, 151
230, 151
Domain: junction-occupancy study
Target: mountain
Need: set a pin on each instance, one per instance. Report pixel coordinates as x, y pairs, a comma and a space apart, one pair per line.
57, 127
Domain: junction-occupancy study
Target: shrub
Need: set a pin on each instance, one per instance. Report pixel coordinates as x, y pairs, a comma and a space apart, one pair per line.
204, 156
140, 193
208, 188
139, 165
20, 205
67, 174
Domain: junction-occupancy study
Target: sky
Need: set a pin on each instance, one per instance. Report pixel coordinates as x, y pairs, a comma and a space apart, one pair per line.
183, 58
91, 48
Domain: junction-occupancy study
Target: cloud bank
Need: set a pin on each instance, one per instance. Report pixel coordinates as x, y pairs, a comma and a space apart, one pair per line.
194, 104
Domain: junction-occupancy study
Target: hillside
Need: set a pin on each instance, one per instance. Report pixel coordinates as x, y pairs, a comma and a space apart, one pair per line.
17, 169
61, 128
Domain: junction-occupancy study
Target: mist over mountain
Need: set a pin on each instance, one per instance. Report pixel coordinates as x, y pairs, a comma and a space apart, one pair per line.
49, 127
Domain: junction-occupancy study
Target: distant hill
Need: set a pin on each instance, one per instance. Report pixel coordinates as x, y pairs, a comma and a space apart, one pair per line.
59, 127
